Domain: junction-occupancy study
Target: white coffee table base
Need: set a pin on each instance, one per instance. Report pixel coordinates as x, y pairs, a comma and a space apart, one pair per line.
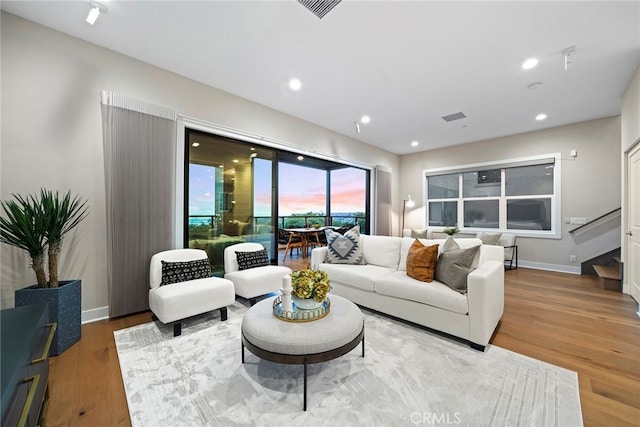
303, 343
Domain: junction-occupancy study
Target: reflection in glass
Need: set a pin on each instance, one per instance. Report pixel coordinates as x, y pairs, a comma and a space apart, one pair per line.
482, 214
443, 186
481, 184
443, 214
529, 214
529, 180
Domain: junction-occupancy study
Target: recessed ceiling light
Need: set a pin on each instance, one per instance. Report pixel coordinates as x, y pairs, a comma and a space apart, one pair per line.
541, 116
300, 158
414, 143
295, 84
365, 119
235, 160
195, 144
529, 63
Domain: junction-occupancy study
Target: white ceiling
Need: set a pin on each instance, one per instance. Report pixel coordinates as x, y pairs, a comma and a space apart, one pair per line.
404, 63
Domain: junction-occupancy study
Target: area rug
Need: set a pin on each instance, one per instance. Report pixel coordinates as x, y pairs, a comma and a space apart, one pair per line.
409, 376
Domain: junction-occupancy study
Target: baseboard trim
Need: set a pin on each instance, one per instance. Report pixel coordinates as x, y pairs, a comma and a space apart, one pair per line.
550, 267
95, 314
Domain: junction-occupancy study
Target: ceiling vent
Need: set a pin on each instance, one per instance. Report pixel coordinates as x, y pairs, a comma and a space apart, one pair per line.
454, 116
319, 7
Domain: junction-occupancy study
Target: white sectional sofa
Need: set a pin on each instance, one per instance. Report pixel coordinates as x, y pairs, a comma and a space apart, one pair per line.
383, 285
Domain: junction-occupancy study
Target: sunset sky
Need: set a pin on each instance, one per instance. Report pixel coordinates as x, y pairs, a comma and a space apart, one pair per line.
301, 189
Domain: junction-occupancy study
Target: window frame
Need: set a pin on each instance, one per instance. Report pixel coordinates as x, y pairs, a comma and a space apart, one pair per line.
556, 197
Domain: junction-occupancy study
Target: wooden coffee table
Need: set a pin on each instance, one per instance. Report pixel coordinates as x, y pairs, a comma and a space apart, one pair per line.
303, 343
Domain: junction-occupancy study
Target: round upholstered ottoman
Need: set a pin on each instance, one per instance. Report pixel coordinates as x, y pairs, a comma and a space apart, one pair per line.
301, 343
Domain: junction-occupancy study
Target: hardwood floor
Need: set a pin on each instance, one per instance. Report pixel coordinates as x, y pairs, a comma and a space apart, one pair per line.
559, 318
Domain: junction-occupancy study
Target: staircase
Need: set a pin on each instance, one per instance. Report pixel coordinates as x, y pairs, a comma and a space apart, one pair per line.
610, 276
598, 241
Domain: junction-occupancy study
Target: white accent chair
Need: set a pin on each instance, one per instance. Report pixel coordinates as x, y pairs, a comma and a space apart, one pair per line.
252, 282
177, 301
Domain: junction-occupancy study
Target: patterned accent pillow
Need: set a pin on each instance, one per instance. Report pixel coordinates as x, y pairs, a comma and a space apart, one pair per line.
344, 248
421, 261
252, 259
176, 272
454, 265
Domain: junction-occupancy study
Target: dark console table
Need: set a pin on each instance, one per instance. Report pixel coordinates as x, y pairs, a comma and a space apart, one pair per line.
26, 338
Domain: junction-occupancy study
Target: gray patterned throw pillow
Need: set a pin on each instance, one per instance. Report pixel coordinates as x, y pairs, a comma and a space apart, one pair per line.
344, 248
176, 272
252, 259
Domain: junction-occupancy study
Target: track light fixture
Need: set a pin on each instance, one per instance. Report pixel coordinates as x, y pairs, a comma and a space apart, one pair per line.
95, 11
567, 56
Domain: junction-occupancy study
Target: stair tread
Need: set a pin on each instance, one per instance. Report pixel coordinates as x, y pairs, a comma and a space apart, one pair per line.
607, 272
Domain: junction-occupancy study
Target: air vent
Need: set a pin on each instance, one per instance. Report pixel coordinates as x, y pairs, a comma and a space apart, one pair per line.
454, 116
319, 7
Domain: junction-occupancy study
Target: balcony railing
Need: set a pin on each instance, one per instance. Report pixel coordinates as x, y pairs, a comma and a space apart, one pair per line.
214, 222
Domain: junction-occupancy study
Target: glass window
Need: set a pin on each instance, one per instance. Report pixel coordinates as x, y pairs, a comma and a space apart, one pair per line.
443, 214
482, 213
529, 180
504, 198
302, 195
481, 184
443, 186
529, 214
348, 197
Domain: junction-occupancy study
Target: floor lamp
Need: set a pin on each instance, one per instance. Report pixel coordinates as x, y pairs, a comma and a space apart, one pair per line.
405, 203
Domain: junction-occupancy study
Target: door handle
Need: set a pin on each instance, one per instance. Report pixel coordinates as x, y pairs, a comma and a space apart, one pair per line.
629, 233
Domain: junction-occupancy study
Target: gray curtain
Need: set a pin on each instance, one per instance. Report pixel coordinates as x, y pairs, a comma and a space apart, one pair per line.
382, 201
139, 163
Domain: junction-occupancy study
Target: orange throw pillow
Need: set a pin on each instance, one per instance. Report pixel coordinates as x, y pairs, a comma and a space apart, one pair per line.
421, 261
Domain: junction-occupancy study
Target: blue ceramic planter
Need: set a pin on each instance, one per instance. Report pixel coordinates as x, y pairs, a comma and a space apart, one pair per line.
64, 309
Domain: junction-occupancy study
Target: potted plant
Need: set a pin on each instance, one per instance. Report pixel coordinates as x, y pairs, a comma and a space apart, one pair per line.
310, 288
37, 224
451, 231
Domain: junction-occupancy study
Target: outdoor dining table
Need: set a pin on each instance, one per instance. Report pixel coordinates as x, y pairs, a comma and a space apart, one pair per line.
305, 234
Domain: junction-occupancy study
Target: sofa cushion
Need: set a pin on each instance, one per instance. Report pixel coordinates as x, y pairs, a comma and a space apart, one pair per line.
454, 265
357, 276
419, 233
184, 271
436, 294
252, 259
381, 250
344, 248
421, 261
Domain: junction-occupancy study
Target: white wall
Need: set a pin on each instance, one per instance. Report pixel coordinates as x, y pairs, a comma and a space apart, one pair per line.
52, 136
631, 113
590, 184
630, 118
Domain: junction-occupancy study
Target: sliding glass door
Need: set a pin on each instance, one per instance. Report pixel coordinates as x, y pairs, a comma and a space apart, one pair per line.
231, 189
229, 195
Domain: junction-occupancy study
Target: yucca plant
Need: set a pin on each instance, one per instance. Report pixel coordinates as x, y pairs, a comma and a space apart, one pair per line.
39, 222
61, 214
23, 226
